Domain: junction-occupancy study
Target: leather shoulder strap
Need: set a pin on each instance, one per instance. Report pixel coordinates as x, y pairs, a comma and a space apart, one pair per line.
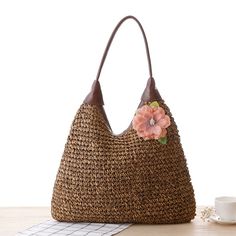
150, 93
112, 37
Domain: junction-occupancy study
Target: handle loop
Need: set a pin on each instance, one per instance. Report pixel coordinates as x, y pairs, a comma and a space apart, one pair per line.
112, 37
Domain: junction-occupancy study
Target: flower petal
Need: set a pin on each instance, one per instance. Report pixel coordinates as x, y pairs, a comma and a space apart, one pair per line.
154, 130
164, 122
144, 126
163, 133
159, 113
142, 110
147, 137
138, 119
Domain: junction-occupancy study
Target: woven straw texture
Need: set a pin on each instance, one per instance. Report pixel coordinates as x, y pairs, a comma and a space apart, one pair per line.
116, 179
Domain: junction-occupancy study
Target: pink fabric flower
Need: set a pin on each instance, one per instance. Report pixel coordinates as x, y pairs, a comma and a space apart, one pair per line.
151, 122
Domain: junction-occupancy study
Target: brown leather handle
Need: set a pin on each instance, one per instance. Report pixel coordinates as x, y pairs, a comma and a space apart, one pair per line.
112, 37
150, 93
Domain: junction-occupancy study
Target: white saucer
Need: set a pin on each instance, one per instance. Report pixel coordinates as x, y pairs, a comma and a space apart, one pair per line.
217, 219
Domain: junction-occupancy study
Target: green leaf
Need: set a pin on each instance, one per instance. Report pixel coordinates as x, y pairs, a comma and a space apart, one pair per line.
163, 140
154, 104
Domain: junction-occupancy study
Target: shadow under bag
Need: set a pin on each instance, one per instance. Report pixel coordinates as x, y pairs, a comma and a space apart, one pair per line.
139, 176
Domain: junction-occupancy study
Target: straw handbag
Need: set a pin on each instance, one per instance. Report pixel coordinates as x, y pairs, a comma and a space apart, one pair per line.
139, 176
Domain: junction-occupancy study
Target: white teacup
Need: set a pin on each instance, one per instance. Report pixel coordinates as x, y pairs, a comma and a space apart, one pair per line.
226, 208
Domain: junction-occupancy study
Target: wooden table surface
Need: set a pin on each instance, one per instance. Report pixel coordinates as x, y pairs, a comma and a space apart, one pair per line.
16, 219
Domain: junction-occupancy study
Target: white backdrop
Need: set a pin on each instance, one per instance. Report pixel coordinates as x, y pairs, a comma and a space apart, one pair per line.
49, 56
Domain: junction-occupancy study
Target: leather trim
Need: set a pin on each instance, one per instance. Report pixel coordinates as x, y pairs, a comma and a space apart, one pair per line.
95, 96
150, 93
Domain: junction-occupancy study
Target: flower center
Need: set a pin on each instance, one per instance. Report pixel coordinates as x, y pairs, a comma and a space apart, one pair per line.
152, 122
